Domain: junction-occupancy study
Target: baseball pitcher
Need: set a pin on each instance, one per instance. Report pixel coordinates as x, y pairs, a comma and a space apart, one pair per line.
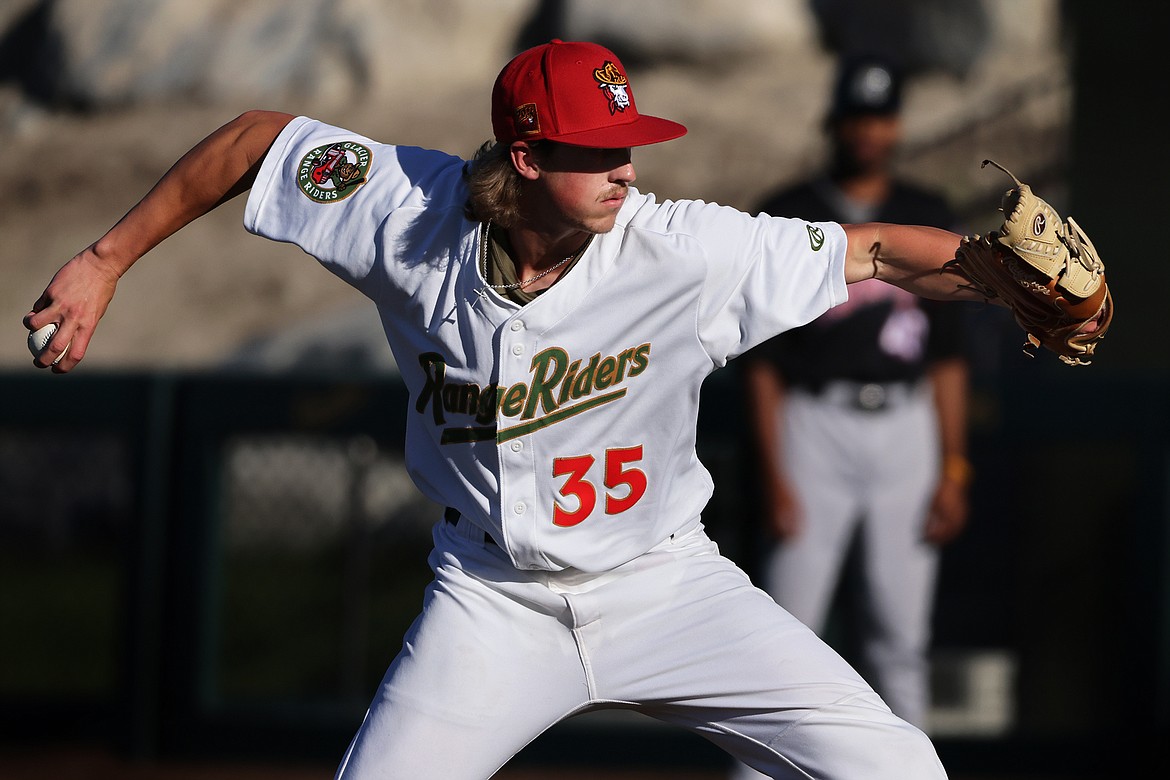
554, 325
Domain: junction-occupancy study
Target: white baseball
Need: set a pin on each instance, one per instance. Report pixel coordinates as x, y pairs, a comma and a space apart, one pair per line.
39, 339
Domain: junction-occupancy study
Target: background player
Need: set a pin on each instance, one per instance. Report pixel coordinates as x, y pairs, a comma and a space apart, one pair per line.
860, 416
553, 326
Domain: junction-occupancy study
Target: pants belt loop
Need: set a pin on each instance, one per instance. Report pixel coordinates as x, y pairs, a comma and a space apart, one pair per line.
452, 516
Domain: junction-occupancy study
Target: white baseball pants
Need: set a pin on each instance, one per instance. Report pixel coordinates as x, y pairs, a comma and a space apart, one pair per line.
680, 634
870, 473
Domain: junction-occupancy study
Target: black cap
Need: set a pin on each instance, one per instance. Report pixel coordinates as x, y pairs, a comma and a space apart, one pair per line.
866, 85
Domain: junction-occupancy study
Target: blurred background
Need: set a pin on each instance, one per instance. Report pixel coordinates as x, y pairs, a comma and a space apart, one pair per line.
209, 549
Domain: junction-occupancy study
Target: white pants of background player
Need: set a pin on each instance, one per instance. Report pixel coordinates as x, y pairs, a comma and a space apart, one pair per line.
872, 474
680, 634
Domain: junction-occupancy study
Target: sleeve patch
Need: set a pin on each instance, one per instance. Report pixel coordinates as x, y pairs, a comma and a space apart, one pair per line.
333, 172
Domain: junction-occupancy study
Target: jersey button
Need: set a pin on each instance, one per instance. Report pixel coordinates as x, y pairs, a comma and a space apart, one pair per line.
517, 349
517, 446
520, 508
517, 325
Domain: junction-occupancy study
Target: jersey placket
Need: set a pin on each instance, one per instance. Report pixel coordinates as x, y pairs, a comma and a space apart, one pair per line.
518, 494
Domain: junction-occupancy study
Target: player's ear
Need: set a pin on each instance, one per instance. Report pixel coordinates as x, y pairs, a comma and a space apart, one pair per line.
525, 159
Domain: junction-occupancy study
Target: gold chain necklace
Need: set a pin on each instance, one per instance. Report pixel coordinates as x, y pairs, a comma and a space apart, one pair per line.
482, 291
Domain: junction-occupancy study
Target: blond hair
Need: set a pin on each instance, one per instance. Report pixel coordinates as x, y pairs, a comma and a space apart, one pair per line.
494, 184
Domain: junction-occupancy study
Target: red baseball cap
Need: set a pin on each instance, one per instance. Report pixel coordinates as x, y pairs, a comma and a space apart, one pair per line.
574, 93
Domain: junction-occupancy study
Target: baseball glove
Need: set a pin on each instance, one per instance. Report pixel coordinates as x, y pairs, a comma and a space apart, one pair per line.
1045, 270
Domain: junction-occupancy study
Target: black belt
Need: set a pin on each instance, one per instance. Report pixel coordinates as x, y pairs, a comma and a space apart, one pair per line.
451, 515
866, 396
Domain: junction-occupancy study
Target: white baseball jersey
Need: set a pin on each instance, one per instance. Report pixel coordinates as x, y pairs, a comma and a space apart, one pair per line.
565, 428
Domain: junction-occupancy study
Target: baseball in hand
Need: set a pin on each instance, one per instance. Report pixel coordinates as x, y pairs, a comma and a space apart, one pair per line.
39, 339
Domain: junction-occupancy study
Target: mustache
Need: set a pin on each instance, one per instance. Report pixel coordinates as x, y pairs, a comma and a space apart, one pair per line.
616, 191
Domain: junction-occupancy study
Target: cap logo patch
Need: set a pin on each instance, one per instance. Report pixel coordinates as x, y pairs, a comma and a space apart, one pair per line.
615, 84
527, 119
333, 172
872, 86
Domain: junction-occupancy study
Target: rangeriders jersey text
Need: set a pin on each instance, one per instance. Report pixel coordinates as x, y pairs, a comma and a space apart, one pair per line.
560, 388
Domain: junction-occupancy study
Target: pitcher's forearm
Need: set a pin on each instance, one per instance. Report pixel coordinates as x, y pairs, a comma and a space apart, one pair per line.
221, 166
908, 256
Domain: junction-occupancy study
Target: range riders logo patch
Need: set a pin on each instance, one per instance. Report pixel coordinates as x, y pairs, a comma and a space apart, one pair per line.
333, 172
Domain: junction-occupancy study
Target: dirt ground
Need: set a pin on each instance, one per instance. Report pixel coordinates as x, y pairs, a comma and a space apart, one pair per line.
96, 764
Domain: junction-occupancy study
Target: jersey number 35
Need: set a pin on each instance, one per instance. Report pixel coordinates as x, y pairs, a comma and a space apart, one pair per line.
625, 484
